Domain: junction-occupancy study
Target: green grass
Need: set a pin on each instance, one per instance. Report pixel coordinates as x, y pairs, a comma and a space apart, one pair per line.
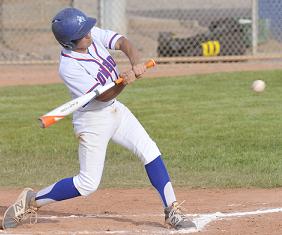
213, 131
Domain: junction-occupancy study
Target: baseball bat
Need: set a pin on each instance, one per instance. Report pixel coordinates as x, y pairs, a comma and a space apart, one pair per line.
60, 112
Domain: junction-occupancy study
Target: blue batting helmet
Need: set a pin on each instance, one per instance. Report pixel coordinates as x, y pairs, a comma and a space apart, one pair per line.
71, 24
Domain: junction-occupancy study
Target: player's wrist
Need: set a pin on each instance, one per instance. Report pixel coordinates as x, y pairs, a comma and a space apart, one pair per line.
128, 77
138, 70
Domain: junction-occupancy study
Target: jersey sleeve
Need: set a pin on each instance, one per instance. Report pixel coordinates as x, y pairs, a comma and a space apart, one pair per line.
77, 79
107, 37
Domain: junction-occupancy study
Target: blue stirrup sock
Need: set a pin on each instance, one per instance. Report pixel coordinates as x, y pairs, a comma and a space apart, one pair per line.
62, 190
65, 189
159, 178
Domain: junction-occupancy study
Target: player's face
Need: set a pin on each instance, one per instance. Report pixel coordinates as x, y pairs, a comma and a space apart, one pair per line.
84, 43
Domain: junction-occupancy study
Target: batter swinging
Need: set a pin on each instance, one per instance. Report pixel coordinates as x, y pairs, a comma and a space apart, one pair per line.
85, 64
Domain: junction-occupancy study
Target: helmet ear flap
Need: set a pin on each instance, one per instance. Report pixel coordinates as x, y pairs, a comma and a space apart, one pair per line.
69, 46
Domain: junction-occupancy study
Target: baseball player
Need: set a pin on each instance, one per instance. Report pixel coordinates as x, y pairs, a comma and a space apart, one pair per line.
85, 65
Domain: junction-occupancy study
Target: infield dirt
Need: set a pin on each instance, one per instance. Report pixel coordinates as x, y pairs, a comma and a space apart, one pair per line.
12, 75
139, 211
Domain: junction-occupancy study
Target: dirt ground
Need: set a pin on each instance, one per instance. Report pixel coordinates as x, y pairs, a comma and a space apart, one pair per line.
12, 75
139, 211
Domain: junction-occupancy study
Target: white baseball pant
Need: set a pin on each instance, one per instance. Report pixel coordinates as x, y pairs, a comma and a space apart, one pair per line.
94, 130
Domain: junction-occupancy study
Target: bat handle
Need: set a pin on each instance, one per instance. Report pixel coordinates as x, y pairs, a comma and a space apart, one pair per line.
149, 64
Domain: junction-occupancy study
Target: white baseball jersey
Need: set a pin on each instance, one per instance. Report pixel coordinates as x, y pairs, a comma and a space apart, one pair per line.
84, 72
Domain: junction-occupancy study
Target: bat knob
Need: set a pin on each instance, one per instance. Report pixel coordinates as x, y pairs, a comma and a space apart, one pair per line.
46, 121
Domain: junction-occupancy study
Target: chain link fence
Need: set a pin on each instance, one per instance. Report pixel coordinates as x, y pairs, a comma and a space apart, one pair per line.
161, 28
25, 33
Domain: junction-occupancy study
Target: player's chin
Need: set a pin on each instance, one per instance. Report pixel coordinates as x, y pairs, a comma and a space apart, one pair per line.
90, 42
86, 44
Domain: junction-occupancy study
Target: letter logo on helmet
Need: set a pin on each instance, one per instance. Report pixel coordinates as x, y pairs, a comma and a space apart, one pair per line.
80, 19
69, 25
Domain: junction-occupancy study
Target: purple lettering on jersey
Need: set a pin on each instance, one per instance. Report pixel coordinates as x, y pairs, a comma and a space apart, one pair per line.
108, 65
111, 60
101, 78
104, 72
111, 63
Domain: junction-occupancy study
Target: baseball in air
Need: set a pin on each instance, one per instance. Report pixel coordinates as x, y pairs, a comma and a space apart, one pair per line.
258, 86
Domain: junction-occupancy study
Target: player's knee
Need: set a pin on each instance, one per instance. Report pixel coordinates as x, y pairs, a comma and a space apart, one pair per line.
86, 184
150, 153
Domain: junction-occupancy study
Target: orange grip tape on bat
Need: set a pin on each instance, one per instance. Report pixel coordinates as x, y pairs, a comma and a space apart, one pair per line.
149, 64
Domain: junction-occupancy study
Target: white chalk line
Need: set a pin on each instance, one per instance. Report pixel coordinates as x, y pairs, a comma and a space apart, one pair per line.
201, 220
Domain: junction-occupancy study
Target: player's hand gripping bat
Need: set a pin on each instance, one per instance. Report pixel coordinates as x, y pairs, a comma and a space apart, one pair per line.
59, 113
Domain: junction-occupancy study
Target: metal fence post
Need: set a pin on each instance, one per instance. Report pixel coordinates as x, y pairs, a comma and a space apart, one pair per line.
71, 3
1, 22
101, 21
112, 15
254, 26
